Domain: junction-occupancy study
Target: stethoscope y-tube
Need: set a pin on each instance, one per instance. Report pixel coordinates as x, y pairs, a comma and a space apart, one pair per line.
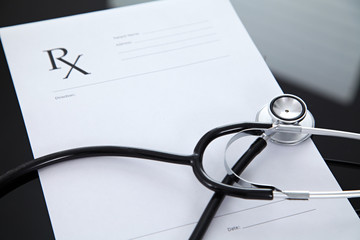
284, 121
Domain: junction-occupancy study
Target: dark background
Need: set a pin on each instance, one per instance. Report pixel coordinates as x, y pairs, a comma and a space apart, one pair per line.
23, 213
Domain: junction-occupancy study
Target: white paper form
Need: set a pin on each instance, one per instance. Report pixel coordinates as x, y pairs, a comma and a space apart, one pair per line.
157, 76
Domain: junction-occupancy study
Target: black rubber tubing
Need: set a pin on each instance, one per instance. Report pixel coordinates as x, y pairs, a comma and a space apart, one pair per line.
217, 198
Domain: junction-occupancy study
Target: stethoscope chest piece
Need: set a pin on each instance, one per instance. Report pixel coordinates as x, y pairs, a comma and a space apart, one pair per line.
288, 110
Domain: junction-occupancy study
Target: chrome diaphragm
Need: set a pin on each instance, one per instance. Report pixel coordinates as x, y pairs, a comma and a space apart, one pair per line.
287, 109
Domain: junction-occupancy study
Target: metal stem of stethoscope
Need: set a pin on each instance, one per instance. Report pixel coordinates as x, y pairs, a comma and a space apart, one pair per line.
292, 124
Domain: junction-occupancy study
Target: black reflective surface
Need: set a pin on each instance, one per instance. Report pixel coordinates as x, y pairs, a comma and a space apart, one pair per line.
23, 213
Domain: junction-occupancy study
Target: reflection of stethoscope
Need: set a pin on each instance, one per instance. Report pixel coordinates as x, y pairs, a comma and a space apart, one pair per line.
285, 120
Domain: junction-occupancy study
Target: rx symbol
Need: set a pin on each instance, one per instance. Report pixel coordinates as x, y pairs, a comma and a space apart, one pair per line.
61, 58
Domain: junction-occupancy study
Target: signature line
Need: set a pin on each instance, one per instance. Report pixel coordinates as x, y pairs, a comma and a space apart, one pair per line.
247, 209
272, 220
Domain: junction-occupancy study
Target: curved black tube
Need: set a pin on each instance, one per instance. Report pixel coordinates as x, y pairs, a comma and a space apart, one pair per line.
25, 172
197, 164
11, 178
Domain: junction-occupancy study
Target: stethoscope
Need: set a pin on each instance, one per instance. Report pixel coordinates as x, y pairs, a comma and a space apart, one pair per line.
285, 121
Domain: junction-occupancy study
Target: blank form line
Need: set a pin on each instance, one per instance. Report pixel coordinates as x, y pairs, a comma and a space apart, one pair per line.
246, 209
167, 43
171, 50
178, 26
276, 219
172, 35
144, 73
